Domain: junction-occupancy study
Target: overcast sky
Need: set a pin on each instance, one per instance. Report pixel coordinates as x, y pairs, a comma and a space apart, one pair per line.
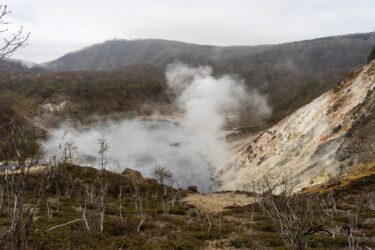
61, 26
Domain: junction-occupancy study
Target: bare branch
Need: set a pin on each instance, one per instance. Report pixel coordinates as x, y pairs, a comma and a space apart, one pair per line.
15, 40
65, 224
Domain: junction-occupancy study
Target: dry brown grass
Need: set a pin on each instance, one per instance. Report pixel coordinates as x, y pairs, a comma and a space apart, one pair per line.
217, 202
359, 172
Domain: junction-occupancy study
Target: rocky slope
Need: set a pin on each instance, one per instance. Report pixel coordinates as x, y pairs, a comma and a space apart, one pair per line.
318, 142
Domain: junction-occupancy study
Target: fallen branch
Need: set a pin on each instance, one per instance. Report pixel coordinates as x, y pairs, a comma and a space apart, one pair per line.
65, 224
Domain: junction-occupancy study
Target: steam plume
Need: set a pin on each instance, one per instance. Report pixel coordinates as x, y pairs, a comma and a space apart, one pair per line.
191, 149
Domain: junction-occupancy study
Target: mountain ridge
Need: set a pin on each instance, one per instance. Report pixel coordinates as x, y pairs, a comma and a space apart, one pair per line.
156, 49
290, 74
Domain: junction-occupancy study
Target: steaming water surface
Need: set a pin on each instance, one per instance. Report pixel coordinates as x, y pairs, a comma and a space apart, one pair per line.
193, 149
140, 145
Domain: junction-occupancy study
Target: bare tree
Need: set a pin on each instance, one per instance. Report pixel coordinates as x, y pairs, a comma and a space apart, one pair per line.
69, 152
162, 175
24, 158
167, 195
13, 41
103, 149
102, 180
328, 205
329, 202
292, 215
86, 200
138, 204
15, 185
202, 217
103, 201
119, 187
357, 219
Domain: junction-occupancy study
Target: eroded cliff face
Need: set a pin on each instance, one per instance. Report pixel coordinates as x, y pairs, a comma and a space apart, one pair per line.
319, 141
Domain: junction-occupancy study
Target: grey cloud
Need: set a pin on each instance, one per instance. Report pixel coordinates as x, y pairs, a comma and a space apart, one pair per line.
207, 22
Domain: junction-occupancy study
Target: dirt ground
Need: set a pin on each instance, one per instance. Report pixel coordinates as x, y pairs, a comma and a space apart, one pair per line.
217, 202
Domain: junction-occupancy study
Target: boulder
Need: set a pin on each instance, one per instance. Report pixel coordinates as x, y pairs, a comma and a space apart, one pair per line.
192, 189
132, 174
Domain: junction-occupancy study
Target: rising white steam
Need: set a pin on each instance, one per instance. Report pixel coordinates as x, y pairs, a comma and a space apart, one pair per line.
191, 149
